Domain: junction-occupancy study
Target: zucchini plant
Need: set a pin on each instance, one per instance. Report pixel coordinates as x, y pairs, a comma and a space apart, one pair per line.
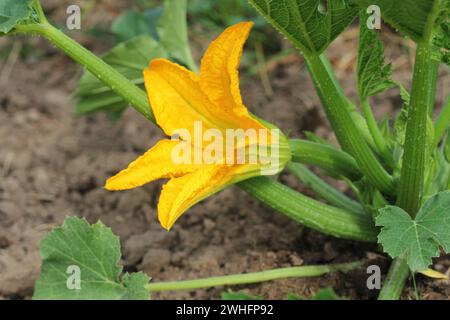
399, 170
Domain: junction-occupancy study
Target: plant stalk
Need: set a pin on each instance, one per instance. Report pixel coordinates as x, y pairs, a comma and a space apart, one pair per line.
359, 120
415, 149
104, 72
416, 144
375, 131
324, 190
309, 212
413, 164
325, 157
348, 135
256, 277
395, 280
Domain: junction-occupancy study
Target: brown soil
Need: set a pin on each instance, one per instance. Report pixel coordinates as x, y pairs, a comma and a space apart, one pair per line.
53, 165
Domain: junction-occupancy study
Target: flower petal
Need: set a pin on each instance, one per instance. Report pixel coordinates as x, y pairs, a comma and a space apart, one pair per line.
219, 74
177, 100
156, 163
179, 194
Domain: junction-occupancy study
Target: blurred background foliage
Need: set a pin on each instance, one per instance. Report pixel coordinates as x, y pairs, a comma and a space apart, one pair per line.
174, 29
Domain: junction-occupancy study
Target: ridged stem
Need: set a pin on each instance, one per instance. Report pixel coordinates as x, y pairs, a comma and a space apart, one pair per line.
309, 212
415, 147
325, 157
348, 135
324, 190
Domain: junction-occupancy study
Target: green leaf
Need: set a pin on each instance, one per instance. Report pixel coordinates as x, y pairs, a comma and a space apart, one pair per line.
156, 33
133, 23
94, 253
410, 17
129, 58
373, 75
419, 240
294, 296
326, 294
13, 12
130, 24
442, 39
172, 31
305, 24
135, 286
323, 294
230, 295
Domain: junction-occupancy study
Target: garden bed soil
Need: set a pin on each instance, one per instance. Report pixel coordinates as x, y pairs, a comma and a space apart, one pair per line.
54, 164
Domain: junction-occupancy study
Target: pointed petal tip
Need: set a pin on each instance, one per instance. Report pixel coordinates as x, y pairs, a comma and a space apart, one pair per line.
167, 228
109, 185
246, 24
242, 28
165, 223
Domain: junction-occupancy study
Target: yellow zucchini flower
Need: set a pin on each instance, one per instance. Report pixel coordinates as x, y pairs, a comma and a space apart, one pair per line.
214, 140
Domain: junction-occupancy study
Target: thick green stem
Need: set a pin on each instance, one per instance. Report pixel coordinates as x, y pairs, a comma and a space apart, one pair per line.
348, 135
415, 148
325, 157
324, 190
310, 212
413, 164
359, 120
395, 280
104, 72
292, 272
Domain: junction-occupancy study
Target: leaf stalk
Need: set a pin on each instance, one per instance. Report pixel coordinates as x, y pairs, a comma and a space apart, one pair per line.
256, 277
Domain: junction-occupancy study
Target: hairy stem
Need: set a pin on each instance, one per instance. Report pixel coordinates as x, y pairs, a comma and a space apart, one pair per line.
395, 280
324, 190
413, 167
415, 148
325, 157
309, 212
104, 72
39, 11
359, 120
375, 131
292, 272
337, 110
